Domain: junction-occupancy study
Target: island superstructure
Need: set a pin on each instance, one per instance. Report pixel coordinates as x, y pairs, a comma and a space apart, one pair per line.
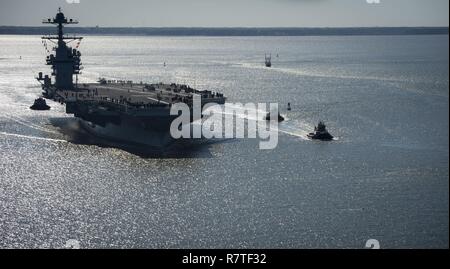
117, 109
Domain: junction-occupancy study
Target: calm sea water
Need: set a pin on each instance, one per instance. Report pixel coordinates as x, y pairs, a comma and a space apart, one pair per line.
386, 98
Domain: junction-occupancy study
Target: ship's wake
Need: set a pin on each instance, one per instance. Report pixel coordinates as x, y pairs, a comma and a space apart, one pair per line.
315, 73
290, 127
29, 124
33, 137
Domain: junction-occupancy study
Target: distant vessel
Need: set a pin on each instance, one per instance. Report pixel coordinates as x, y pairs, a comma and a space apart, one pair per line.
320, 132
40, 104
268, 60
116, 109
278, 118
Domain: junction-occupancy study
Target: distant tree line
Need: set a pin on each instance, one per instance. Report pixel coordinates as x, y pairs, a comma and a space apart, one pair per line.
180, 31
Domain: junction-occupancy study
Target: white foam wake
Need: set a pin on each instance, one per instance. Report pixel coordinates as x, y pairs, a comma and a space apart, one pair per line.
293, 128
29, 124
33, 137
315, 73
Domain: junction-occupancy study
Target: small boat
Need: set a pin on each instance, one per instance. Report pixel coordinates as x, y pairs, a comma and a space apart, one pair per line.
268, 117
268, 60
40, 104
320, 133
289, 107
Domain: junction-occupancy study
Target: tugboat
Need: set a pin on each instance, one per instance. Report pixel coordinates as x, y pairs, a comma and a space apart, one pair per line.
268, 117
268, 60
40, 104
320, 133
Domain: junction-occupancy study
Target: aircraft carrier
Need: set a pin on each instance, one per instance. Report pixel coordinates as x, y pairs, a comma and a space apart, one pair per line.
114, 109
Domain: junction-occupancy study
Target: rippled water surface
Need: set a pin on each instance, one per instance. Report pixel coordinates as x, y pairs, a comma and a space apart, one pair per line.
385, 177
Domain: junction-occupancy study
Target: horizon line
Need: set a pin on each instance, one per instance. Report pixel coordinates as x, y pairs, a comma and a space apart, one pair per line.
226, 31
231, 27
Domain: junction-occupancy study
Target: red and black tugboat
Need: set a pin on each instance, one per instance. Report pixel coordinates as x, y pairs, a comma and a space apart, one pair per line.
40, 104
320, 133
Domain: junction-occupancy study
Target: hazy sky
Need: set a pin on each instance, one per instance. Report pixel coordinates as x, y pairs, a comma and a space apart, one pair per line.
230, 13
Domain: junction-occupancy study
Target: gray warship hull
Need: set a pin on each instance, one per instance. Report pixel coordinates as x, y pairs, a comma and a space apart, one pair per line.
129, 134
129, 113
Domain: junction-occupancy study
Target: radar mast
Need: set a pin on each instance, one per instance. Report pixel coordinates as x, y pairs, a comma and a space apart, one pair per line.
65, 61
